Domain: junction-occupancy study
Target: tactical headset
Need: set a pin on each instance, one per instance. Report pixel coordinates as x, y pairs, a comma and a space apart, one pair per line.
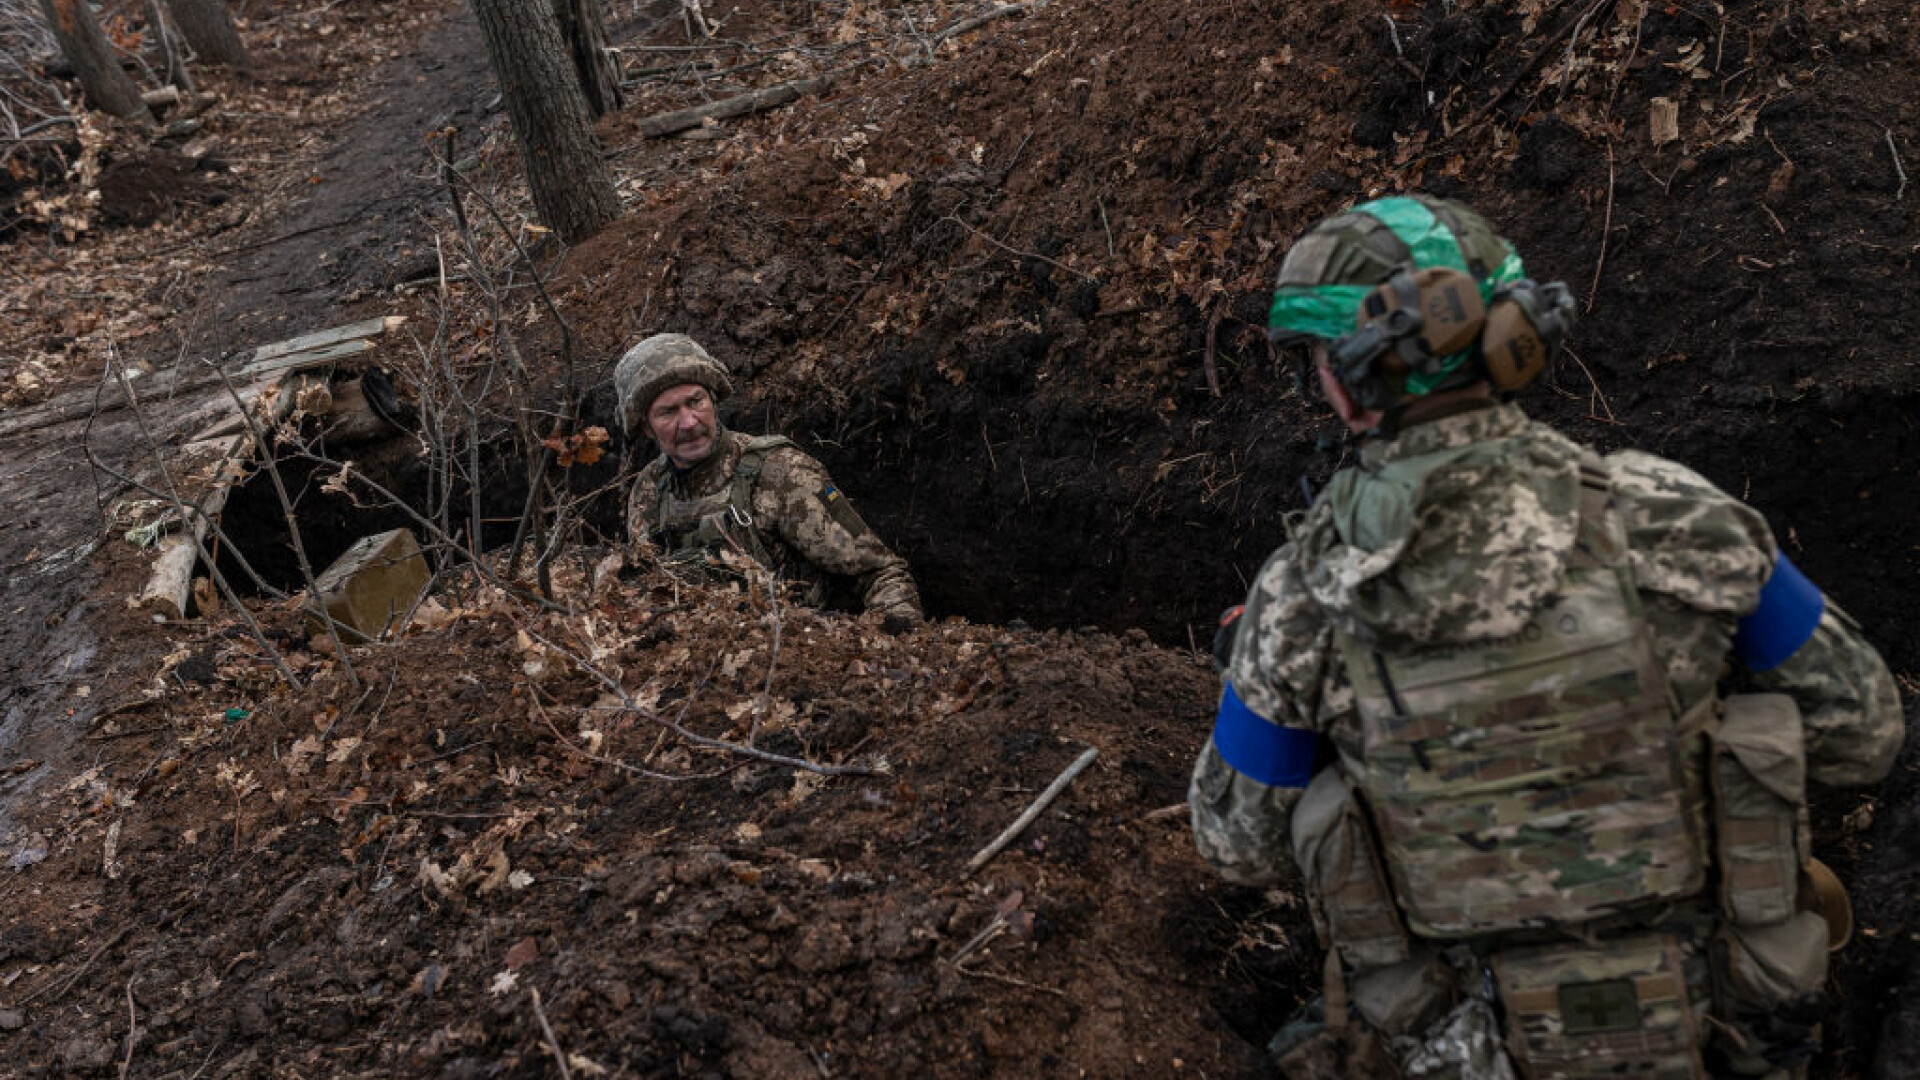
1417, 320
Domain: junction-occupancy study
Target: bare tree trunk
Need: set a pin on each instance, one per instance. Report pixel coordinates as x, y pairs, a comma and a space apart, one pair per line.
208, 27
584, 27
86, 48
167, 40
572, 186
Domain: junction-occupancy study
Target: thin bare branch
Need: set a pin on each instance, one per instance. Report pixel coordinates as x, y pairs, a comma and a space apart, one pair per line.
693, 737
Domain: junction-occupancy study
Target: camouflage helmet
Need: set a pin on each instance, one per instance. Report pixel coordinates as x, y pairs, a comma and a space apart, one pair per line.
1328, 274
658, 364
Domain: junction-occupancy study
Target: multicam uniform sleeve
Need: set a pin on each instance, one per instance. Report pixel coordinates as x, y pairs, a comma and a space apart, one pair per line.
1265, 743
814, 517
1701, 550
1849, 709
643, 502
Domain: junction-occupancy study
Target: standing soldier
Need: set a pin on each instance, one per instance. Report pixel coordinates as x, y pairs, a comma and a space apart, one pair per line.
761, 497
1534, 725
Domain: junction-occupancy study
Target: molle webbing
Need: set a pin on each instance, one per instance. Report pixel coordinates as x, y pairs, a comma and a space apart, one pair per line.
731, 520
1601, 1012
1535, 781
740, 498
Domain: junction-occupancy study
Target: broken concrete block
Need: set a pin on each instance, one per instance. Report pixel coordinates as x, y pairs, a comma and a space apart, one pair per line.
373, 586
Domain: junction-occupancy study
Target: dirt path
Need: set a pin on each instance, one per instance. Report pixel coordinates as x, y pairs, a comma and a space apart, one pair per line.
356, 225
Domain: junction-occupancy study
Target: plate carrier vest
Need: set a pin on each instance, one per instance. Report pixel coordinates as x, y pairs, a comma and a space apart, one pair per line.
705, 525
1541, 780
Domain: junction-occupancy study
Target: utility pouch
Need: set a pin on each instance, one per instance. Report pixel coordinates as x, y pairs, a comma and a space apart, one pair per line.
1405, 999
1616, 1008
1761, 968
1759, 783
1333, 846
1769, 981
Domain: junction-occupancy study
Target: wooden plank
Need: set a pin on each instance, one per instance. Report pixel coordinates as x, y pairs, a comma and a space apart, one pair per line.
229, 421
365, 328
294, 354
304, 358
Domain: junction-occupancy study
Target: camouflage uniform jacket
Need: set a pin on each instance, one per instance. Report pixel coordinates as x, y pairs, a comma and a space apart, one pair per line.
805, 527
1464, 552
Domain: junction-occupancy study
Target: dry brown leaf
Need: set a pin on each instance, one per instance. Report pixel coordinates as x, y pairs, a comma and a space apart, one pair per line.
524, 952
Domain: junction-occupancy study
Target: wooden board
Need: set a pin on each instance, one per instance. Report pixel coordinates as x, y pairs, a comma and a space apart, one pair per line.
294, 354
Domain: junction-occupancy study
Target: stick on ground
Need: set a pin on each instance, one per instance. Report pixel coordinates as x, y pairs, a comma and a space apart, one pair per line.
553, 1044
1033, 811
1606, 231
1898, 169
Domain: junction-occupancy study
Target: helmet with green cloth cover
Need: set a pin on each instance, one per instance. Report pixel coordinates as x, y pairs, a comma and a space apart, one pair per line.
1414, 295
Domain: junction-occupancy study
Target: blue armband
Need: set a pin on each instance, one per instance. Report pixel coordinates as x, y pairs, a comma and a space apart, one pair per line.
1257, 747
1790, 609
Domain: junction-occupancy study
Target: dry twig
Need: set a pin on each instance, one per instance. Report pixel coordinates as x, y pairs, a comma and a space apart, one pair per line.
693, 737
186, 511
75, 977
772, 97
1547, 48
1011, 981
1213, 333
994, 928
603, 759
1032, 811
1598, 397
546, 1029
133, 1031
316, 605
1898, 169
1016, 251
1606, 231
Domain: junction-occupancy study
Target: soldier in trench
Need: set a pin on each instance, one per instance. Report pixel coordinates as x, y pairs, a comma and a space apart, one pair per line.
714, 490
1533, 727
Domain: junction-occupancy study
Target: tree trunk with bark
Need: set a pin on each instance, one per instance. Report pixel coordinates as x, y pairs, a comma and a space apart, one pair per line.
173, 53
584, 26
208, 27
86, 48
572, 185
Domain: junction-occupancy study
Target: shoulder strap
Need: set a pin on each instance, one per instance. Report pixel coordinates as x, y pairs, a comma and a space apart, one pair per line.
745, 474
1603, 540
660, 487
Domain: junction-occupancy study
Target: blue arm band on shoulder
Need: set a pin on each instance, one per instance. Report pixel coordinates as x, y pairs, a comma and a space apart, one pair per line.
1257, 747
1790, 609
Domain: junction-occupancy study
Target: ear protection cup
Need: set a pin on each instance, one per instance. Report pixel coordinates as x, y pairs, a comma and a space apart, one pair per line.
1413, 321
1524, 326
1439, 308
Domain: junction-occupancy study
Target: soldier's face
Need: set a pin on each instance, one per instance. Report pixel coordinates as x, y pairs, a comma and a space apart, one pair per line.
681, 420
1358, 420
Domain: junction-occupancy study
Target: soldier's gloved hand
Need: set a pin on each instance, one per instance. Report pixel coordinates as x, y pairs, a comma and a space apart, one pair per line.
1223, 637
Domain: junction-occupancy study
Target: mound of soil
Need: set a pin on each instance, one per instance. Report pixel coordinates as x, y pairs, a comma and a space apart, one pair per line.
368, 878
1021, 275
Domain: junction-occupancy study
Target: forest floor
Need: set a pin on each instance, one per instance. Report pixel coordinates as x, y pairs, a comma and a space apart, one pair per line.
1009, 285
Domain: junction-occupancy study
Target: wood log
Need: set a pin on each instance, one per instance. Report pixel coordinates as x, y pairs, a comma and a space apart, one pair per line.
205, 477
307, 351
